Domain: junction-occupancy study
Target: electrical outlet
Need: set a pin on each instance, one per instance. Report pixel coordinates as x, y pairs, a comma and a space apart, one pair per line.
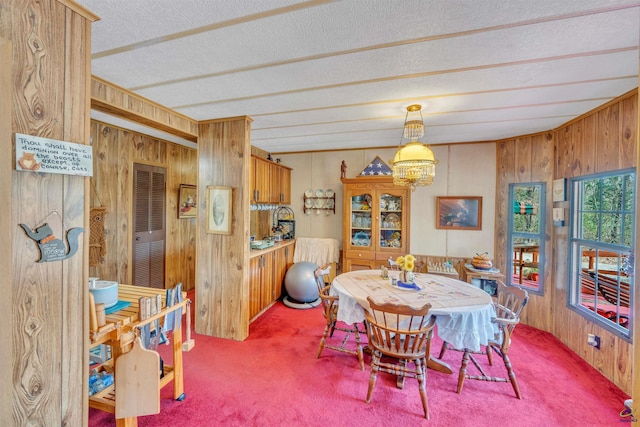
593, 341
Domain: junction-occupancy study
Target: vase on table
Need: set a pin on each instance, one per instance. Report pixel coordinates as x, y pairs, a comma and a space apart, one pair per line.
406, 276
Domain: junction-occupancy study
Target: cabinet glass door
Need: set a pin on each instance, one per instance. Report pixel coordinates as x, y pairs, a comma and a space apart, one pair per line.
361, 220
390, 226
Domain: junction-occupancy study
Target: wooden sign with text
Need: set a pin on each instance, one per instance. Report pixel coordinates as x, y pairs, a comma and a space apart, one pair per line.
37, 154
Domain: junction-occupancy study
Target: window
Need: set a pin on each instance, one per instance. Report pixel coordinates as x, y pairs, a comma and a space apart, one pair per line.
526, 236
602, 244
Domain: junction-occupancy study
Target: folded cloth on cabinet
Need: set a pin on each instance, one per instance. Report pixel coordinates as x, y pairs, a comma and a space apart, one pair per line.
316, 250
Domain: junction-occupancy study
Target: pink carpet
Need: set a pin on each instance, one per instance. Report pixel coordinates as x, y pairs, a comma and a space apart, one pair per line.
273, 378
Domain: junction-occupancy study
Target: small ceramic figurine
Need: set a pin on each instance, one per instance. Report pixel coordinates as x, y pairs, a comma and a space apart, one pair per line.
384, 272
343, 169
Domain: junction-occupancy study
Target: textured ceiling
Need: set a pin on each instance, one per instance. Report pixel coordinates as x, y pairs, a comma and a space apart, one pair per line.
324, 75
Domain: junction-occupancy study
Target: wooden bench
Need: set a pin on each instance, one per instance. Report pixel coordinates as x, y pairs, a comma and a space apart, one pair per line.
607, 287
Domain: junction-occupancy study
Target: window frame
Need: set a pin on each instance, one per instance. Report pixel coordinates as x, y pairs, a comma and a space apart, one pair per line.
576, 240
540, 236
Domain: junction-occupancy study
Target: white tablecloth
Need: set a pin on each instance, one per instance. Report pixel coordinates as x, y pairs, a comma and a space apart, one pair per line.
463, 312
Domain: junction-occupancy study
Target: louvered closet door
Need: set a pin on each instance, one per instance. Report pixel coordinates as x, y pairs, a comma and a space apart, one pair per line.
149, 209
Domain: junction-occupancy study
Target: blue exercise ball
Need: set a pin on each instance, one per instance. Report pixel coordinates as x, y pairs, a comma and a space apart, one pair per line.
300, 282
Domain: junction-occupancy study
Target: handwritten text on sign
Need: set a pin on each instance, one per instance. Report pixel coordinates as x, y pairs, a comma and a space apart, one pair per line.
37, 154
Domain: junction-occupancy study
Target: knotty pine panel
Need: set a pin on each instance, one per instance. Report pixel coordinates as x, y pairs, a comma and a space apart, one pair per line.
38, 287
222, 294
628, 132
563, 153
48, 320
76, 190
505, 164
542, 161
117, 149
105, 155
112, 99
585, 147
523, 159
608, 147
7, 232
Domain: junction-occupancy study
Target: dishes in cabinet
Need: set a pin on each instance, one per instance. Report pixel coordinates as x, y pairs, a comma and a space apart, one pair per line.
308, 193
319, 193
391, 221
329, 193
390, 204
361, 239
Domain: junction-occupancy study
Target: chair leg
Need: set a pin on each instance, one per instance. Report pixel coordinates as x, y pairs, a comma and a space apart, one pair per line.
333, 328
421, 375
490, 354
444, 348
375, 361
359, 347
512, 376
463, 371
323, 340
400, 376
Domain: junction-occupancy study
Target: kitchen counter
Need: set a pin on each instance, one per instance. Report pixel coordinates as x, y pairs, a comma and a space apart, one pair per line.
277, 245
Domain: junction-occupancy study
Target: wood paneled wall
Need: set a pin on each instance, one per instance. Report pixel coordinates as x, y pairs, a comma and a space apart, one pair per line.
222, 294
603, 140
6, 235
112, 99
115, 150
47, 96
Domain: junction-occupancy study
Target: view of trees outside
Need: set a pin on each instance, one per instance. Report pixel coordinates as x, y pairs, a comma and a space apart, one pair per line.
604, 211
607, 210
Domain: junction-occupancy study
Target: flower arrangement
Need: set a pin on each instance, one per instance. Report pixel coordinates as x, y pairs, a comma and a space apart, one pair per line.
407, 262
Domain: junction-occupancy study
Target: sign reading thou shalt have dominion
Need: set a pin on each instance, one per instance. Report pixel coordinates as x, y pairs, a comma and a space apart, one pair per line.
37, 154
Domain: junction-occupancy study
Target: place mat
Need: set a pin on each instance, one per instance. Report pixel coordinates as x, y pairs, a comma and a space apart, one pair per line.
117, 306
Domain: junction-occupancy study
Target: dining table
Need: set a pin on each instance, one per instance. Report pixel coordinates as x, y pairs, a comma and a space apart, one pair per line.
464, 313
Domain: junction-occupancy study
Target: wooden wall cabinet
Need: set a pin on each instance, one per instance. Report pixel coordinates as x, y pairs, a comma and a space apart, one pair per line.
375, 223
270, 182
285, 185
260, 184
267, 269
261, 276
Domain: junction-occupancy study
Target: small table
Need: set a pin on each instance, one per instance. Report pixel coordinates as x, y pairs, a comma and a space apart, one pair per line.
520, 262
484, 276
463, 312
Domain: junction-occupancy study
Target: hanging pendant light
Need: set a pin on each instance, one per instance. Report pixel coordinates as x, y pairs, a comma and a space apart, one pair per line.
414, 164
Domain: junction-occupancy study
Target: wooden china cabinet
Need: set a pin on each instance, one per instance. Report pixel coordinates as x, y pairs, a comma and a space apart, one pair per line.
375, 223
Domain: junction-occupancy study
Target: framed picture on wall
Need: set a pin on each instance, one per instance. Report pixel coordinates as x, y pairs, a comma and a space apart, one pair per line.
559, 190
459, 213
219, 214
187, 201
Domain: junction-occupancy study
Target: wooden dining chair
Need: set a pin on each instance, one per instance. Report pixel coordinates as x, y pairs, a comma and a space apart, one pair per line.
402, 334
510, 302
330, 312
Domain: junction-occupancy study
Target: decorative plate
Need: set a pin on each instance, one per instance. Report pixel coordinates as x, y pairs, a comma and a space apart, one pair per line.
308, 203
319, 203
319, 193
329, 193
308, 193
330, 203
